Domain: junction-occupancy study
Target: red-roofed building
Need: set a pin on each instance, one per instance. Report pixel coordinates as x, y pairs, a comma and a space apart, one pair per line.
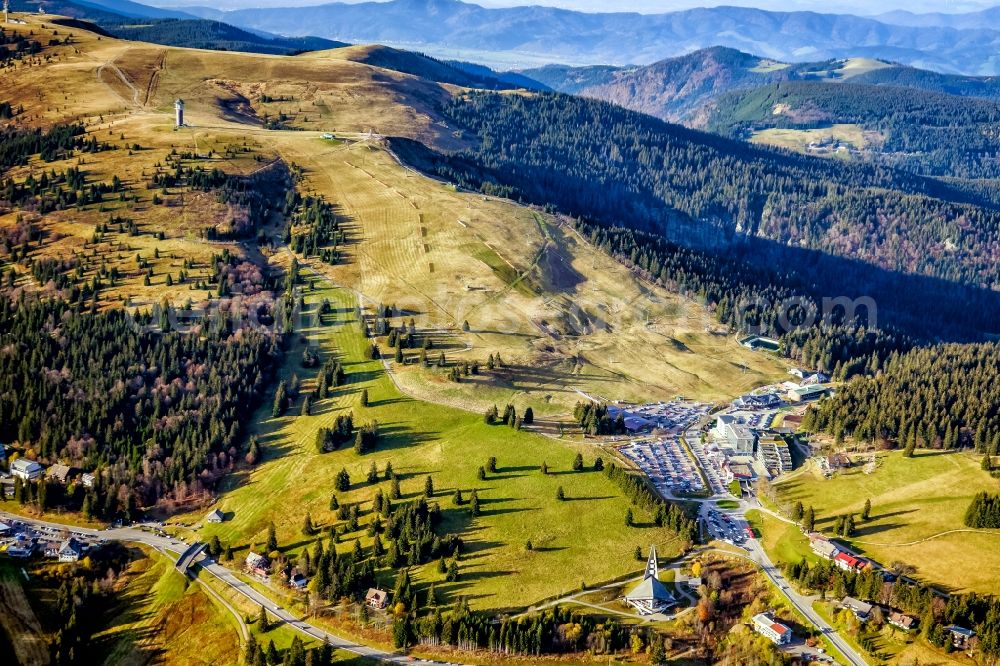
848, 562
766, 625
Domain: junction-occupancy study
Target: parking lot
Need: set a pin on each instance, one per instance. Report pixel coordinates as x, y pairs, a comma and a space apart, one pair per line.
711, 458
667, 465
25, 540
725, 527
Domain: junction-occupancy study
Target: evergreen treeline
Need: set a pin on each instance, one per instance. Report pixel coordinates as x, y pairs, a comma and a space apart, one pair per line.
744, 294
984, 512
208, 34
942, 396
53, 190
314, 227
15, 45
18, 145
665, 514
153, 414
549, 632
594, 159
594, 419
924, 132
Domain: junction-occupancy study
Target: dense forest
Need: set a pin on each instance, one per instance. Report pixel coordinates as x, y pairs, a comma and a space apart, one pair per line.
596, 160
984, 511
154, 413
923, 132
773, 290
942, 396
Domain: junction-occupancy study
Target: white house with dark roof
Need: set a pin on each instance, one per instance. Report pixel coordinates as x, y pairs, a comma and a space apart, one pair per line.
215, 516
861, 609
69, 551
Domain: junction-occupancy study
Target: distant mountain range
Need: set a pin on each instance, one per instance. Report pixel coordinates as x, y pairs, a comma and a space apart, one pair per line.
454, 29
677, 89
131, 20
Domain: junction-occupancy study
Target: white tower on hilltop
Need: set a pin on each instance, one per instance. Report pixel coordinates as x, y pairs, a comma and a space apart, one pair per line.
179, 112
6, 11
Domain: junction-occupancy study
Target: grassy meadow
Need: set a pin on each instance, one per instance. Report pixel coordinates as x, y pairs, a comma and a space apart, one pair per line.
916, 519
585, 533
162, 615
799, 139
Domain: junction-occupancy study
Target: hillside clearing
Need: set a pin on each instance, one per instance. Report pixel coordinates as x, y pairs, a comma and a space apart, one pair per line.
913, 502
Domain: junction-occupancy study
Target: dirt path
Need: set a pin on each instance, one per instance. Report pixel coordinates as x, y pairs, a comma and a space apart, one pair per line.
928, 538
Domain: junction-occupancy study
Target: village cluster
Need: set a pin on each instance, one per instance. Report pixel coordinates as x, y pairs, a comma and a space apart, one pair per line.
261, 568
742, 445
21, 540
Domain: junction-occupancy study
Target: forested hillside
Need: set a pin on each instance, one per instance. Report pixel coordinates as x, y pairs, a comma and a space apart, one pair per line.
923, 132
682, 88
944, 396
204, 34
152, 413
595, 160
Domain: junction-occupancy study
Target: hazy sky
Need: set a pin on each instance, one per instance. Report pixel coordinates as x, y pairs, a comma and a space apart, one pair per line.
657, 6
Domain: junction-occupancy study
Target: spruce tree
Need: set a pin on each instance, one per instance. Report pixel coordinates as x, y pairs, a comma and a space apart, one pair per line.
307, 525
474, 504
271, 544
262, 624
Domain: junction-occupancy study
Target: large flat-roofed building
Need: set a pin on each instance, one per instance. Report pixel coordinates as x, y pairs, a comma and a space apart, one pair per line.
740, 437
767, 626
807, 393
26, 470
774, 454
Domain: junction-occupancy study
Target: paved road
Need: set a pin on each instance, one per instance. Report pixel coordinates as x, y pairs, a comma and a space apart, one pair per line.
801, 602
163, 544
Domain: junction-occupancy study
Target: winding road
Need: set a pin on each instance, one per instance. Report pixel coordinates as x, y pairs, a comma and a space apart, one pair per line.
223, 574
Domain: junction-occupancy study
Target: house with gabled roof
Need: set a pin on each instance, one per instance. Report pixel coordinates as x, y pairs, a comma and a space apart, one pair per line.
376, 598
26, 470
902, 620
58, 472
766, 625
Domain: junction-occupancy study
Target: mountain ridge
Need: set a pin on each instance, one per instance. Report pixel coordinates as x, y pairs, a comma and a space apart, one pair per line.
446, 28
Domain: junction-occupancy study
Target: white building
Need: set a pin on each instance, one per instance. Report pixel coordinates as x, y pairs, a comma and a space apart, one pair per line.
740, 438
69, 551
179, 112
26, 470
767, 626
